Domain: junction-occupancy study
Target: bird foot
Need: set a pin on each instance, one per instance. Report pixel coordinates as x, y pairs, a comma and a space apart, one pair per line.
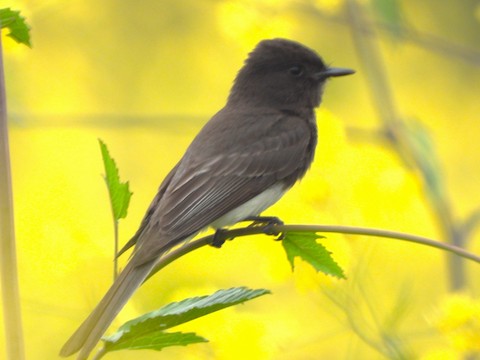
219, 238
268, 223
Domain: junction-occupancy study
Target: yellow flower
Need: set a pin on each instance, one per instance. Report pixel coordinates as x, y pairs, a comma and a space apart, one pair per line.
459, 321
441, 354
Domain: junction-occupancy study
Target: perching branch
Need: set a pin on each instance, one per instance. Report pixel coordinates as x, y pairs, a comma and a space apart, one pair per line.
339, 229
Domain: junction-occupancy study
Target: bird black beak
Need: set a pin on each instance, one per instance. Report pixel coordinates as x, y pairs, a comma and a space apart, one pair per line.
333, 71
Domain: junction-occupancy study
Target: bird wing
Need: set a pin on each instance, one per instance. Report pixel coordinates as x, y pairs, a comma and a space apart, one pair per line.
213, 179
208, 182
148, 214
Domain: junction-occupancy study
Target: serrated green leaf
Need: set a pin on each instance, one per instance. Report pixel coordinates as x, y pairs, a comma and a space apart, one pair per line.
305, 245
147, 331
186, 310
19, 30
119, 192
155, 340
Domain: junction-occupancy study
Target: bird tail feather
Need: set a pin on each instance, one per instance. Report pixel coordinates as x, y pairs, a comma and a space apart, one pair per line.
89, 333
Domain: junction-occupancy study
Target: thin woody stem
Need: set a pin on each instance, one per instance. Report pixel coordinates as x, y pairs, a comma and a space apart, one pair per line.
339, 229
12, 318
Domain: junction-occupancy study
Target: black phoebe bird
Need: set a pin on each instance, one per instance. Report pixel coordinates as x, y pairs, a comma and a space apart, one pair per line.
242, 161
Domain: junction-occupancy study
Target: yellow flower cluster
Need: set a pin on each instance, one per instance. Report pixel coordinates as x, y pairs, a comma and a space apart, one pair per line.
459, 321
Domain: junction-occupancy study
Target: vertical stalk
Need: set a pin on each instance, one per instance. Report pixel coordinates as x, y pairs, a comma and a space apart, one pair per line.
8, 261
115, 247
365, 42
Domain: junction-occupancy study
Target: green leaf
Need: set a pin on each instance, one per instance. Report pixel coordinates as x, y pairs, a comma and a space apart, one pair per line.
304, 245
421, 144
177, 313
154, 340
390, 13
147, 331
19, 30
119, 192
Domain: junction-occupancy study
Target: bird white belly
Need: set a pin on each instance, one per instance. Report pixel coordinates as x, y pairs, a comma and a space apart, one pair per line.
252, 207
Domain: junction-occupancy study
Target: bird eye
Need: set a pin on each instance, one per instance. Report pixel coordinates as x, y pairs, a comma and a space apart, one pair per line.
296, 70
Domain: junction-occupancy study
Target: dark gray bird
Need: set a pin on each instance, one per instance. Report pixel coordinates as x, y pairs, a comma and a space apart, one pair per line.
242, 161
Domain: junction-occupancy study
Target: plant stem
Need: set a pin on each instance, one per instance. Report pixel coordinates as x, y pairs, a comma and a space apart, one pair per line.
424, 40
8, 261
339, 229
383, 99
115, 247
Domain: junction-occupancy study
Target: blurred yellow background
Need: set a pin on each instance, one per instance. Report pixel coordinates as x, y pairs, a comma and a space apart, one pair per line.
145, 76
